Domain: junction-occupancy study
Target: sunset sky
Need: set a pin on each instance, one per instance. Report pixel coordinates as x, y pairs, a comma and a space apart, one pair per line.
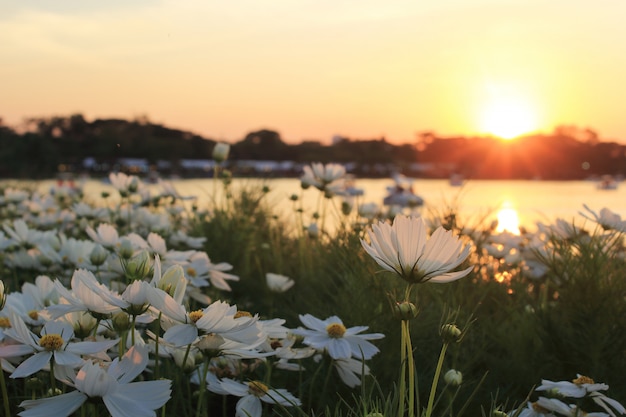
313, 69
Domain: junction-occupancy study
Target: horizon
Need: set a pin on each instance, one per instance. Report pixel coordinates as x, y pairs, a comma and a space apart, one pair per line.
315, 70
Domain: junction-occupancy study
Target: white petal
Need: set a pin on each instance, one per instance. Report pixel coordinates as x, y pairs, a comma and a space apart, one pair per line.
31, 365
62, 357
451, 276
59, 406
181, 334
130, 366
138, 399
281, 396
248, 406
90, 348
339, 349
13, 351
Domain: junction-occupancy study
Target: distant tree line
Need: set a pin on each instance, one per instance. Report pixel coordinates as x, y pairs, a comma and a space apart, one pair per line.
46, 146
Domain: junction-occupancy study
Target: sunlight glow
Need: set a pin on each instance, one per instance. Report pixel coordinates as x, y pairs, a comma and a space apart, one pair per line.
507, 114
508, 220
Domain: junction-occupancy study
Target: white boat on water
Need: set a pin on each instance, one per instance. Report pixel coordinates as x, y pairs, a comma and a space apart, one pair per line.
456, 180
607, 182
401, 193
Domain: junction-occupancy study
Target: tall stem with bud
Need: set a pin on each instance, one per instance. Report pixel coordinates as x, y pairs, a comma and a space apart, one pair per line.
406, 311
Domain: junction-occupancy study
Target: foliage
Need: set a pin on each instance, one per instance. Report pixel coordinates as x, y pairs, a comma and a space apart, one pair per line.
519, 324
58, 144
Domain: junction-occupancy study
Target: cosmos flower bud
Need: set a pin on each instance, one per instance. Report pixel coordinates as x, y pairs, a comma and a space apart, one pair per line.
220, 152
125, 251
210, 344
346, 207
138, 267
98, 255
404, 310
120, 322
83, 326
450, 333
453, 377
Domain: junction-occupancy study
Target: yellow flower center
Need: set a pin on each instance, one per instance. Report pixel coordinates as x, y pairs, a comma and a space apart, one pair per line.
196, 315
5, 323
191, 272
51, 342
33, 314
583, 380
242, 313
336, 330
256, 388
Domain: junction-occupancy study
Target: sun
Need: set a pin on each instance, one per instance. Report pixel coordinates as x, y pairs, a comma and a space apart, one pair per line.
508, 118
507, 112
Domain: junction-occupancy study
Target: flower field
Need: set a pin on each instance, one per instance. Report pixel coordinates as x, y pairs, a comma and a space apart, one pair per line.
145, 303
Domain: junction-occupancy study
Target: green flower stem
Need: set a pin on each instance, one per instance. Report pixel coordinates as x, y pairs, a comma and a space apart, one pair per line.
403, 364
433, 387
205, 371
53, 381
407, 364
5, 394
132, 329
410, 364
156, 349
186, 355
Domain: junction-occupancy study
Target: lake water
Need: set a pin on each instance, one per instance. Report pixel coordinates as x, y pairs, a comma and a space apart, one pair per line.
524, 201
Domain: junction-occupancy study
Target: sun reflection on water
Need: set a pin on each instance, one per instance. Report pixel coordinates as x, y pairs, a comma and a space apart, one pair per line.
508, 219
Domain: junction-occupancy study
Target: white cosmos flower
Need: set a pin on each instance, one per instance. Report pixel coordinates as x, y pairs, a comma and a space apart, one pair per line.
405, 249
199, 268
42, 291
121, 397
125, 184
578, 388
252, 393
86, 295
180, 237
219, 319
278, 283
27, 307
55, 342
340, 342
584, 386
157, 245
606, 218
557, 406
105, 234
323, 177
23, 235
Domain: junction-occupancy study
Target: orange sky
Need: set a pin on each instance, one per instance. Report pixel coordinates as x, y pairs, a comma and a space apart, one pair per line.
314, 69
